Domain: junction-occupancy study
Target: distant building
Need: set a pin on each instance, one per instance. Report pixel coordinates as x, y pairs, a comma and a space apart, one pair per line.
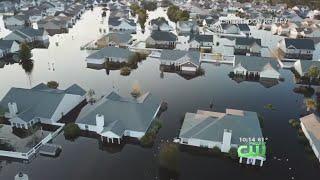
297, 48
187, 62
254, 66
25, 107
122, 25
161, 40
310, 126
201, 42
247, 46
114, 117
8, 47
28, 35
114, 39
109, 54
187, 27
160, 24
208, 129
302, 67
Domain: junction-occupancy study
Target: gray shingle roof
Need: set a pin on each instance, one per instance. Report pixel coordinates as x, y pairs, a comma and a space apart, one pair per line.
201, 38
163, 36
159, 21
6, 44
121, 113
116, 21
112, 52
311, 123
247, 41
255, 63
299, 43
212, 128
119, 37
174, 55
39, 101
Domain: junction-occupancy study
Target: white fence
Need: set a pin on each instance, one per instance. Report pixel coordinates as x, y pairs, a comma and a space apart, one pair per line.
34, 150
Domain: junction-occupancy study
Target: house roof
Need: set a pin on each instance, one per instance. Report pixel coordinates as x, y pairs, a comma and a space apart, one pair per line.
243, 27
159, 21
247, 41
163, 36
6, 44
311, 123
175, 55
116, 21
299, 43
255, 63
121, 113
201, 38
112, 52
210, 126
39, 101
118, 37
306, 65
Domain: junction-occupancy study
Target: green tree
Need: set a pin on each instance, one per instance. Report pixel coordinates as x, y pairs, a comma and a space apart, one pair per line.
169, 157
313, 73
25, 52
71, 130
53, 84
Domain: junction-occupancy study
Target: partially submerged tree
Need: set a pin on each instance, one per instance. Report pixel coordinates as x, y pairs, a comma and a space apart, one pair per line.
136, 90
169, 156
91, 96
25, 52
71, 131
53, 84
313, 73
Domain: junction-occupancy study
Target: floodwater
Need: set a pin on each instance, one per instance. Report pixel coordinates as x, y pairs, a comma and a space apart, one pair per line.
85, 158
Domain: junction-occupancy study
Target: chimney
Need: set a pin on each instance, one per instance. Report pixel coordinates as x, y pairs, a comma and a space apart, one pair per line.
13, 109
226, 141
99, 123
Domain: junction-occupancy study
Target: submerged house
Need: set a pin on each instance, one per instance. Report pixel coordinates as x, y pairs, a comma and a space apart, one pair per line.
302, 67
114, 117
207, 129
122, 25
15, 22
161, 40
8, 48
310, 126
28, 35
201, 42
258, 67
25, 107
109, 54
247, 46
186, 62
116, 39
160, 24
187, 27
297, 48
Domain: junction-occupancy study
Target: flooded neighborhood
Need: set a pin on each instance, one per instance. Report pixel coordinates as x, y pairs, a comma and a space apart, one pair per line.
166, 89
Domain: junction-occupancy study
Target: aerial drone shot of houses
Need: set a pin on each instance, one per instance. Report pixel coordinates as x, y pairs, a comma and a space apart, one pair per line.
159, 89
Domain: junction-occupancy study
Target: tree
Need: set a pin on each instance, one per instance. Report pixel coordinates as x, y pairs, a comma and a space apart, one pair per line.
149, 5
313, 73
169, 157
53, 84
136, 90
71, 130
25, 52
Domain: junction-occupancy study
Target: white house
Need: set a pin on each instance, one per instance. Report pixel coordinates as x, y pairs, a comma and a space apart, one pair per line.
28, 35
207, 129
310, 126
187, 27
303, 66
122, 24
297, 48
247, 46
200, 41
262, 67
160, 24
114, 117
25, 107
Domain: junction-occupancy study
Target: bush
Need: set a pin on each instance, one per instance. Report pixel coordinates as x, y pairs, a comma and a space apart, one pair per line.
216, 150
169, 156
53, 84
294, 123
176, 14
125, 71
148, 138
149, 5
72, 131
306, 91
233, 153
269, 107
